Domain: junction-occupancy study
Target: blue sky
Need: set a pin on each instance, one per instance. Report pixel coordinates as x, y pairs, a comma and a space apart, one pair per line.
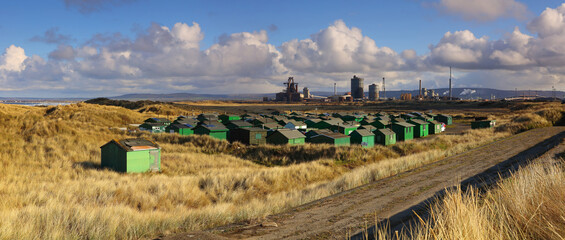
94, 48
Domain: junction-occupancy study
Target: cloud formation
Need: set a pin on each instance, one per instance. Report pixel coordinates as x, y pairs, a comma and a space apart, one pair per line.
13, 59
52, 36
338, 48
89, 6
517, 51
170, 59
483, 10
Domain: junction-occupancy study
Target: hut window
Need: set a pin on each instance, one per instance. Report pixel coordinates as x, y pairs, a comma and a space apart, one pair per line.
258, 136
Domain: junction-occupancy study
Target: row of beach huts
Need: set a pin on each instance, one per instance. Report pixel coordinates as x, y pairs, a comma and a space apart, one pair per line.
339, 129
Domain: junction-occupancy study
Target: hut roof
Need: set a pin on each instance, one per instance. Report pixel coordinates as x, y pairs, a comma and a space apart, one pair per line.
404, 124
214, 127
181, 125
363, 132
386, 131
240, 123
272, 125
419, 122
134, 144
291, 134
251, 129
333, 135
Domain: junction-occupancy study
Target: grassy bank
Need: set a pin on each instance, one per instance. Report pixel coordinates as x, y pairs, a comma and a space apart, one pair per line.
52, 186
527, 205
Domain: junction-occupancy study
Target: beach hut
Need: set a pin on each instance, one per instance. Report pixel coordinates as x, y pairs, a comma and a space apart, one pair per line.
133, 155
163, 121
217, 131
345, 128
435, 127
153, 127
363, 137
227, 118
380, 123
182, 129
404, 131
292, 124
249, 136
444, 119
271, 126
420, 127
385, 136
207, 117
238, 124
483, 124
336, 139
326, 124
286, 136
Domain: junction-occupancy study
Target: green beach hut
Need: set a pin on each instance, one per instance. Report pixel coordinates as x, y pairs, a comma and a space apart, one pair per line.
420, 127
385, 136
448, 120
483, 124
363, 137
404, 131
217, 131
286, 136
182, 129
336, 139
134, 155
435, 127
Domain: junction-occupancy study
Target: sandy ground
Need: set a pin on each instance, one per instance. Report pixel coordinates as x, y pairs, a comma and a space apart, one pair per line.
396, 197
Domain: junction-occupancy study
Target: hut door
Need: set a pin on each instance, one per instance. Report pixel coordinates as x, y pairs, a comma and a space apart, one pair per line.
154, 166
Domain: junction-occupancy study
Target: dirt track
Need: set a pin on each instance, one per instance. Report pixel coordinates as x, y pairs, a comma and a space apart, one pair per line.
395, 198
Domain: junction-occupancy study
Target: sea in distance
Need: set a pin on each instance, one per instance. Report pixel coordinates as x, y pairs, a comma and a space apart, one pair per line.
38, 103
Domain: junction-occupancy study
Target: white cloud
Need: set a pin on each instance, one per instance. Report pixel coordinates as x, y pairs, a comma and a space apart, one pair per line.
484, 10
170, 59
13, 59
338, 48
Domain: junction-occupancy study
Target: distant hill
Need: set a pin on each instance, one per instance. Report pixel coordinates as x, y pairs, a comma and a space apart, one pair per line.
466, 93
191, 97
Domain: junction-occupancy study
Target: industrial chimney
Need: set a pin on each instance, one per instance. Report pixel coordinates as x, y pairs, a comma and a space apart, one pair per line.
420, 89
449, 83
384, 89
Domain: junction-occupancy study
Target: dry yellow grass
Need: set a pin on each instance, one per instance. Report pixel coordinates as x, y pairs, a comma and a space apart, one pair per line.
51, 187
528, 205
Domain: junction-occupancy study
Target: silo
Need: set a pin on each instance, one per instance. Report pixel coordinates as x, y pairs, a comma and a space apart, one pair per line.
373, 92
357, 87
306, 92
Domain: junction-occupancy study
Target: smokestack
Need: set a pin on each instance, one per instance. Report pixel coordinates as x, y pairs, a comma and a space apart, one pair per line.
449, 83
420, 89
384, 89
335, 90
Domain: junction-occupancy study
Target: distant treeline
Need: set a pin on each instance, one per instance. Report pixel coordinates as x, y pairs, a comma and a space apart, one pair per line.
121, 103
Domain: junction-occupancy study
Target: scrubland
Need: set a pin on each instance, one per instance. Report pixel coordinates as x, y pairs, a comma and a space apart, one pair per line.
53, 188
527, 205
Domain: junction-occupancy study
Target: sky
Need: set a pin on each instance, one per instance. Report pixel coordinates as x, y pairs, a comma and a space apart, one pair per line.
100, 48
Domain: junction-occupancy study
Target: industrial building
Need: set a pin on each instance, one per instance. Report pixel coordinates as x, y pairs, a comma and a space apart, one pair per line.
306, 93
373, 92
357, 88
290, 94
